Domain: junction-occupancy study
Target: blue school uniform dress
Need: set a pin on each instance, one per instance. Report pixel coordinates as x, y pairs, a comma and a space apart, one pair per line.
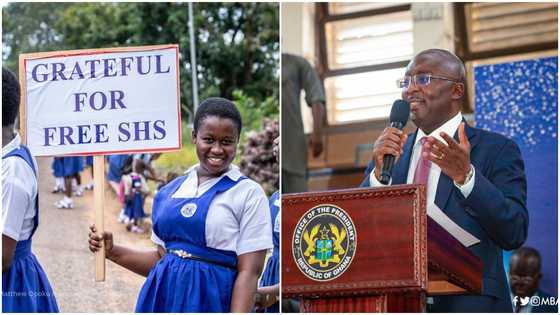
58, 167
196, 275
271, 274
116, 164
71, 165
89, 160
25, 287
134, 207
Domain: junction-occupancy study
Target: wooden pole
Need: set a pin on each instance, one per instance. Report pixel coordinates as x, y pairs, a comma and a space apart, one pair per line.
22, 113
98, 204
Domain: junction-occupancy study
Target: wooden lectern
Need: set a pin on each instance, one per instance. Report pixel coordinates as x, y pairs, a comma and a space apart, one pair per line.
400, 254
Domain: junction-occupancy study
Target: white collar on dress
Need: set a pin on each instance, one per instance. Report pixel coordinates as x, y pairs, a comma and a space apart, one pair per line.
450, 127
14, 144
189, 187
233, 172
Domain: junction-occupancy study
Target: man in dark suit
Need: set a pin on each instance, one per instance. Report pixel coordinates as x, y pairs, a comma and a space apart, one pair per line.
476, 177
524, 276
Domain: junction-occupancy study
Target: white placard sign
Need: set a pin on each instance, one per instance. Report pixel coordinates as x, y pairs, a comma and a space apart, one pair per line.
102, 101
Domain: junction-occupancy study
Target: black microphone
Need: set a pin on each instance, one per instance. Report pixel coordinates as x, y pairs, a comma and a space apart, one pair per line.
398, 118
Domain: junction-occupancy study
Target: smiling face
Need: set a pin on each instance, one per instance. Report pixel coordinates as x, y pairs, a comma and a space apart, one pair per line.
434, 104
216, 144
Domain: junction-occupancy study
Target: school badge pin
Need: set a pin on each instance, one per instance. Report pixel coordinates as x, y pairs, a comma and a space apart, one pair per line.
188, 210
324, 242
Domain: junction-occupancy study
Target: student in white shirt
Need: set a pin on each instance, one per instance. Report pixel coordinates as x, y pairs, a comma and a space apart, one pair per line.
210, 226
25, 287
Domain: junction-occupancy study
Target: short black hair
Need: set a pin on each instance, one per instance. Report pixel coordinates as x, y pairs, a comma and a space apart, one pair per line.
220, 107
527, 252
10, 97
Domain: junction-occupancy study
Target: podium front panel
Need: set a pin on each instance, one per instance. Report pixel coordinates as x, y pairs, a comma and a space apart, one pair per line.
389, 253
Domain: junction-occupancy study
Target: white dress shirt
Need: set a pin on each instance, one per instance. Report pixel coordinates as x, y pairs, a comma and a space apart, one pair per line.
19, 193
238, 218
450, 127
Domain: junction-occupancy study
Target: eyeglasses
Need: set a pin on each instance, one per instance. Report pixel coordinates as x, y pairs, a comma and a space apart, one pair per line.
422, 79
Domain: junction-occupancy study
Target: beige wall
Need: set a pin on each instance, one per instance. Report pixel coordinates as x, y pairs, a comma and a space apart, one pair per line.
298, 29
291, 26
433, 26
298, 38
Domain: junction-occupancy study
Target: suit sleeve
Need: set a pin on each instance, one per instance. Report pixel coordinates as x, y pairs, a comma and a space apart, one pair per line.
498, 201
365, 182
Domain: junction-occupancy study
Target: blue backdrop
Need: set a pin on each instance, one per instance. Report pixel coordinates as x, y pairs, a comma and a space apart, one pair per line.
520, 100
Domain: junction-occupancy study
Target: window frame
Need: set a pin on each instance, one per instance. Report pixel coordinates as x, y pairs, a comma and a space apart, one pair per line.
322, 17
462, 44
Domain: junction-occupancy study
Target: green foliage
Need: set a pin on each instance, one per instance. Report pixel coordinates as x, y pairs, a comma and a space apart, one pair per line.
240, 42
254, 111
237, 44
29, 28
181, 160
177, 162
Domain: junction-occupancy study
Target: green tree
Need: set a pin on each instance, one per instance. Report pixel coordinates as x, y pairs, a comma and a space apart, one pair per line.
237, 43
29, 28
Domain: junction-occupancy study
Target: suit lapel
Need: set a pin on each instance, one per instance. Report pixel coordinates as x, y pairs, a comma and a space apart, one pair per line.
445, 183
400, 172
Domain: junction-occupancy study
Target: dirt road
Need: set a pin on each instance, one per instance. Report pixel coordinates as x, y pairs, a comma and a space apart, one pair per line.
60, 244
